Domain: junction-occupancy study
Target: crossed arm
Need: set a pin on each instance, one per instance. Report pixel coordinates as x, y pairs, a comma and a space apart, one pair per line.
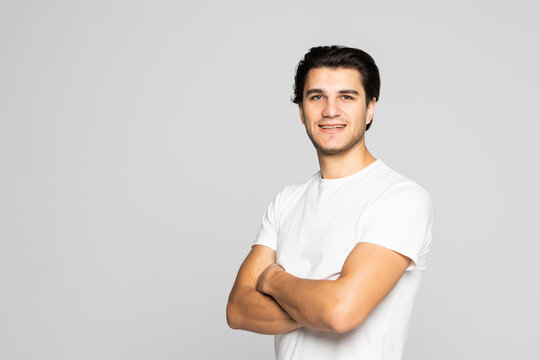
268, 300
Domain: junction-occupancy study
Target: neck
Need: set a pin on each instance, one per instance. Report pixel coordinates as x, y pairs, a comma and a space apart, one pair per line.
334, 166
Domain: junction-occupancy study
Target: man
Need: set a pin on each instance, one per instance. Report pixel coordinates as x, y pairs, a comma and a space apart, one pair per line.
338, 259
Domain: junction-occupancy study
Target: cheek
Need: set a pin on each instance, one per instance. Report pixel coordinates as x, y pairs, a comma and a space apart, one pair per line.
358, 115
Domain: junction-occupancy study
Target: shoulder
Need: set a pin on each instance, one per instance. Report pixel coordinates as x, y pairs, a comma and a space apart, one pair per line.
290, 193
395, 189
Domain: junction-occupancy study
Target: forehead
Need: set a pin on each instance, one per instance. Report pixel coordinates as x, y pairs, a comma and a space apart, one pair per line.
333, 79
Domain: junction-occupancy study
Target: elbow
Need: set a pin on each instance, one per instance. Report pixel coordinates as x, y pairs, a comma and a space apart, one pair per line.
340, 318
232, 316
235, 316
340, 325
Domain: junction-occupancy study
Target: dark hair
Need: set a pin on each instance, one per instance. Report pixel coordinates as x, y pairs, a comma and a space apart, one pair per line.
337, 56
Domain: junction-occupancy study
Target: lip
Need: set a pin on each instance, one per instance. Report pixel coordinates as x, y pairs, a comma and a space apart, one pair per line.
332, 131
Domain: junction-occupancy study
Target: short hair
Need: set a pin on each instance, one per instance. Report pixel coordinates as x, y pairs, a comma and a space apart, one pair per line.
337, 56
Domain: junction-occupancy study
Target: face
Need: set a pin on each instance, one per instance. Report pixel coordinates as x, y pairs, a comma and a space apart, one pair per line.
334, 109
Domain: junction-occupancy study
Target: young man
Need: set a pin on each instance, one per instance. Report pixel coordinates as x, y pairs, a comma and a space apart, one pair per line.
338, 259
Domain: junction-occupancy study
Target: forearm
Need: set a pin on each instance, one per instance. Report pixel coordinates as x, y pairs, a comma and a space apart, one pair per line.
251, 310
310, 302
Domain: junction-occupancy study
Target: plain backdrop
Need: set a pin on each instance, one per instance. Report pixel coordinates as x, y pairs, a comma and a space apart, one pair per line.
141, 143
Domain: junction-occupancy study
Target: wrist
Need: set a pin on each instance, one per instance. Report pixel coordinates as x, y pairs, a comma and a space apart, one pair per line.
273, 276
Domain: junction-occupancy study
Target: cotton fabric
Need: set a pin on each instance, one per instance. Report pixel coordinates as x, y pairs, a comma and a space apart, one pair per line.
314, 225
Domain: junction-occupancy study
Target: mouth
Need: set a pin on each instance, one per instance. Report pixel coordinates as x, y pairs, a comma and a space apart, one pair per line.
332, 128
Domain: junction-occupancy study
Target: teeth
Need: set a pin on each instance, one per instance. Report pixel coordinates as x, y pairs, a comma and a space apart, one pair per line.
333, 127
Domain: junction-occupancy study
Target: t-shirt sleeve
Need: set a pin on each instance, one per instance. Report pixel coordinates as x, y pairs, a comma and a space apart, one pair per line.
268, 231
401, 220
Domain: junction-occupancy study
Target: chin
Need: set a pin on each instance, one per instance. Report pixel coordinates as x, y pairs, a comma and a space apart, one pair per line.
330, 151
334, 146
336, 149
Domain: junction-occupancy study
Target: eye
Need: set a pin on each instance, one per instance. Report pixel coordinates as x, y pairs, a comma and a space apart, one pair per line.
347, 97
316, 97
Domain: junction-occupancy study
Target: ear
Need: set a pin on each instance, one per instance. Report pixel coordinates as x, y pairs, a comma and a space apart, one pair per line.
370, 111
301, 112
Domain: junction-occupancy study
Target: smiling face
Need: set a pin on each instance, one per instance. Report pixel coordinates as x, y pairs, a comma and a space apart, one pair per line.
334, 109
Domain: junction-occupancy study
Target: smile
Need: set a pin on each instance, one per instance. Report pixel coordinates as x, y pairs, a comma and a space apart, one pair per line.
332, 128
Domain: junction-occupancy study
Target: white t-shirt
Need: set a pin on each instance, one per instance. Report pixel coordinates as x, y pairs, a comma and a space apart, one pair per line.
314, 225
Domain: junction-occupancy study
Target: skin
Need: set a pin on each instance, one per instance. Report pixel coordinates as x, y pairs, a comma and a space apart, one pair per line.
330, 96
250, 309
265, 298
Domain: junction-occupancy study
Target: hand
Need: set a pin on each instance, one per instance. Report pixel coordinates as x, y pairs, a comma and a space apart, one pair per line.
262, 283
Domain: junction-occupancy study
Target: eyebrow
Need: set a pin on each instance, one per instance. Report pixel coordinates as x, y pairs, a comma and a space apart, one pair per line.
320, 91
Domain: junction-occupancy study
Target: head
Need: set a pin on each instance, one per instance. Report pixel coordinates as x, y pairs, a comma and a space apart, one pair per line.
336, 85
337, 56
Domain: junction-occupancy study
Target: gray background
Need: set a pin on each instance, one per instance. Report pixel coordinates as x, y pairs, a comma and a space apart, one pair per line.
141, 142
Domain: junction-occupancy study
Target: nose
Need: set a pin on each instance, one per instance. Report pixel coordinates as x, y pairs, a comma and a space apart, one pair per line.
331, 109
